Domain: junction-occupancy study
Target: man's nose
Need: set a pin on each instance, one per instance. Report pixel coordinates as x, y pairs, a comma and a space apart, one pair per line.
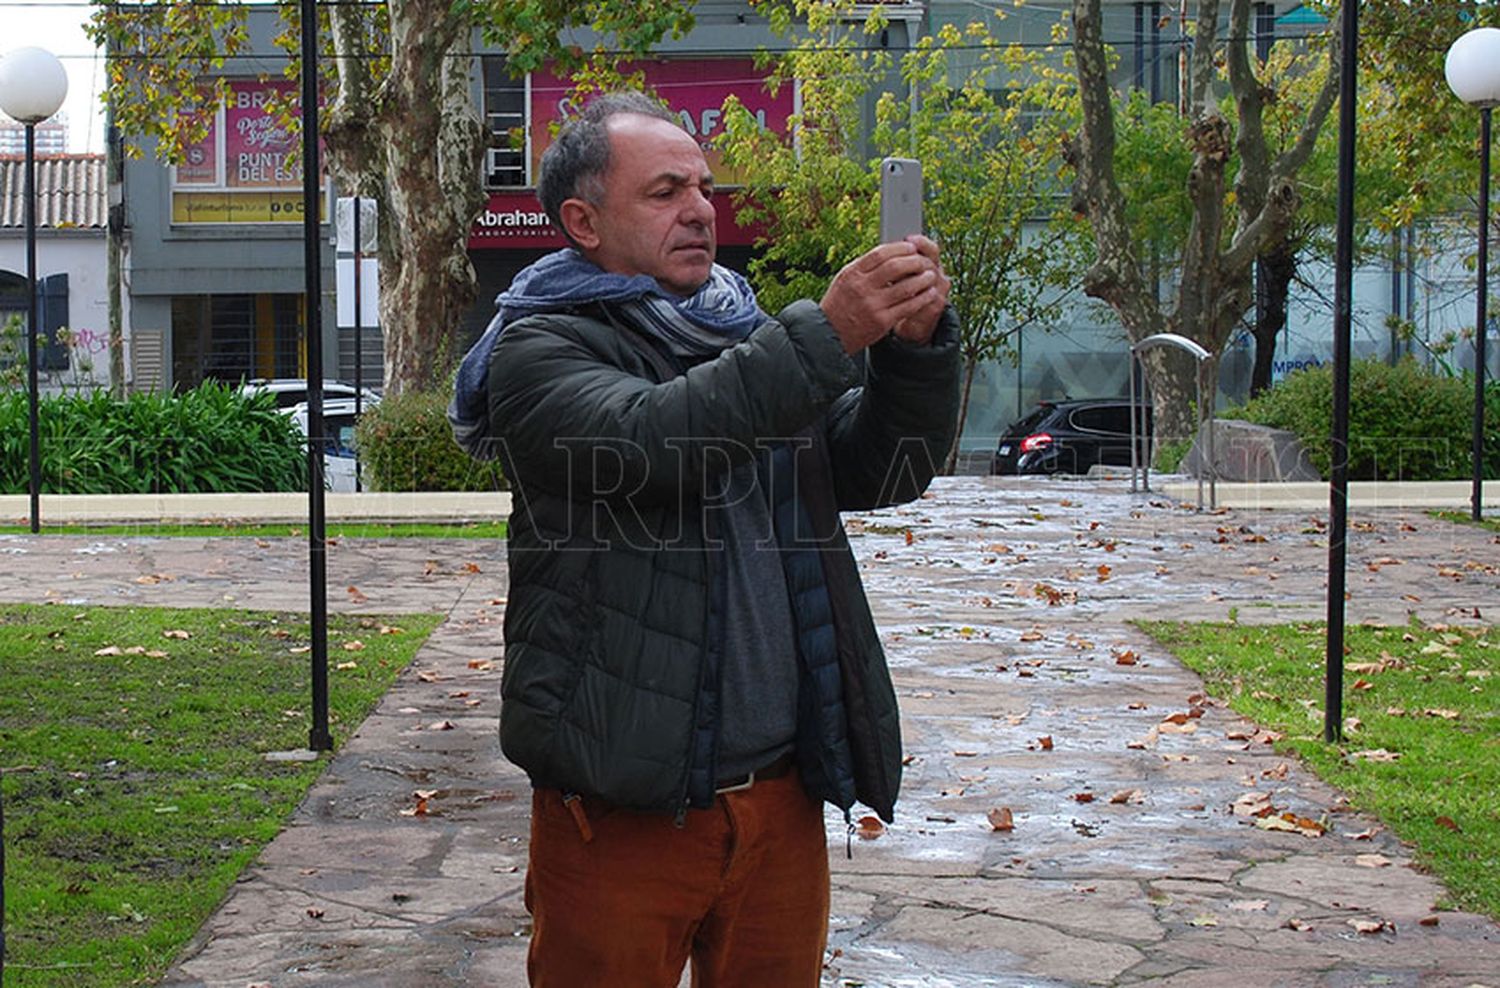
700, 211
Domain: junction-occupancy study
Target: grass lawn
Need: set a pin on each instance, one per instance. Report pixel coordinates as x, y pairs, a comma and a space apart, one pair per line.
333, 530
135, 788
1467, 518
1422, 737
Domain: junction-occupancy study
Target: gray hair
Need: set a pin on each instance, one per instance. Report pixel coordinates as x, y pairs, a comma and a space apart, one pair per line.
574, 164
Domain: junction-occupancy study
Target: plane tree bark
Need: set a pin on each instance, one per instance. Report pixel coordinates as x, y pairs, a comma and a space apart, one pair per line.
1234, 219
401, 126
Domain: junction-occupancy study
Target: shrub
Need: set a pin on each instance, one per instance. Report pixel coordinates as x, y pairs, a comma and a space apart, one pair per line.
406, 444
211, 439
1405, 423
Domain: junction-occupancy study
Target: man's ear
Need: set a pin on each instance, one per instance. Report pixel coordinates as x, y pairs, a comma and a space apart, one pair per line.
578, 222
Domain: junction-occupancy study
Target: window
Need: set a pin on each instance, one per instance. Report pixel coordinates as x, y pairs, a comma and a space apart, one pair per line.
1103, 418
505, 102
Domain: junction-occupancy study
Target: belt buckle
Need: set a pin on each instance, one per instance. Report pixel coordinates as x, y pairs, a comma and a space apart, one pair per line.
738, 786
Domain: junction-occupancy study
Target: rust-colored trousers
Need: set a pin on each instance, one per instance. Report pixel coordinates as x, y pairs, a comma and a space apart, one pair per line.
623, 899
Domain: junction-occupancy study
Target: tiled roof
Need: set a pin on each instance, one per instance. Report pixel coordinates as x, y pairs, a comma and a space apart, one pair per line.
70, 192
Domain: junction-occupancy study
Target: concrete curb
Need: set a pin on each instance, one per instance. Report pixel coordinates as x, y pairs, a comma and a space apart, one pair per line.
1315, 496
431, 506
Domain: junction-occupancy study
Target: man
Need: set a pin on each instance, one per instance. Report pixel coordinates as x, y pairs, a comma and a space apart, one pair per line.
691, 669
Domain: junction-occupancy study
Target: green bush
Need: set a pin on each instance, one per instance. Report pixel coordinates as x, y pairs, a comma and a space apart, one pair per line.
1405, 423
208, 440
406, 444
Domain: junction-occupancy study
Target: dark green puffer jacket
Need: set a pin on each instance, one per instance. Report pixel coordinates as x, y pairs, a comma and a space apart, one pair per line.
617, 591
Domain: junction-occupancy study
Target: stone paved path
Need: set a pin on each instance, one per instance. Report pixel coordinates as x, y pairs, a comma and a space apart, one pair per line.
1000, 632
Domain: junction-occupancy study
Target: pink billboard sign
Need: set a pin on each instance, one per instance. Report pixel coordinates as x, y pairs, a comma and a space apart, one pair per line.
694, 89
199, 165
258, 148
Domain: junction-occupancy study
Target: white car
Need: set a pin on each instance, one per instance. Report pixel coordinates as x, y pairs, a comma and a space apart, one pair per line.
340, 464
292, 391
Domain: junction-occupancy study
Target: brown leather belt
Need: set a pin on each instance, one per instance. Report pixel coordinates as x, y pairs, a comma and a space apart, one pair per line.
774, 770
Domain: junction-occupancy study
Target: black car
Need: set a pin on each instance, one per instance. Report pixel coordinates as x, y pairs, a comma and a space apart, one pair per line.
1071, 436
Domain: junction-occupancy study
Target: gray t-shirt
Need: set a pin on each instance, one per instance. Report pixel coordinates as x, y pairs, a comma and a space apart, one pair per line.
759, 684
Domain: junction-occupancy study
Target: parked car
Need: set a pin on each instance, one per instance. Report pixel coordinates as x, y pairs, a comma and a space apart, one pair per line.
339, 461
292, 391
1071, 436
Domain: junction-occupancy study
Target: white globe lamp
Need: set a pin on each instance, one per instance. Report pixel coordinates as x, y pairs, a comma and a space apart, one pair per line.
1473, 72
32, 85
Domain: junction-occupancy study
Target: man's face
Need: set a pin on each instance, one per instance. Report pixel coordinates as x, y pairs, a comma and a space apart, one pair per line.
655, 217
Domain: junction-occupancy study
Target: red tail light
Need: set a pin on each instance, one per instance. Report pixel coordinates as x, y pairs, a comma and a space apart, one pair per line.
1035, 441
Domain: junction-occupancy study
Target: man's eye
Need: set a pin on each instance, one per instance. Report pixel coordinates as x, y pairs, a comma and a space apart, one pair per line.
707, 190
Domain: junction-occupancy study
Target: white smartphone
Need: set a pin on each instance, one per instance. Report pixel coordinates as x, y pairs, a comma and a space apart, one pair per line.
900, 198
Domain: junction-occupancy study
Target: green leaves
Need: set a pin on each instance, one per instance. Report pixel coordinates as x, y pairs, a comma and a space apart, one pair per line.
406, 444
210, 439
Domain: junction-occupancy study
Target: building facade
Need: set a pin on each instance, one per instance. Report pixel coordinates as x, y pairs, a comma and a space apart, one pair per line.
72, 288
51, 136
216, 274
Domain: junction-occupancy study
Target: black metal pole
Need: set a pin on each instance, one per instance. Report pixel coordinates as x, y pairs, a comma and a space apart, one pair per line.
1477, 497
1338, 495
319, 738
359, 331
35, 483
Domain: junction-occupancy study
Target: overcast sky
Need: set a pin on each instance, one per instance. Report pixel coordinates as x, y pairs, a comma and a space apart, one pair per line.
57, 26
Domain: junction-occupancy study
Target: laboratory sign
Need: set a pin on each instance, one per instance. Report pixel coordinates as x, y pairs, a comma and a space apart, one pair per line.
694, 89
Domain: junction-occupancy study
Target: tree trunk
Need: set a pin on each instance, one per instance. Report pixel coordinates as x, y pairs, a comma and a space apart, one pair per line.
950, 465
1173, 377
416, 146
1214, 264
1277, 268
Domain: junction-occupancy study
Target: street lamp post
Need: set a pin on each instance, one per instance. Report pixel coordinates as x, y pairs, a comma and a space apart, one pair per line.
1473, 72
32, 87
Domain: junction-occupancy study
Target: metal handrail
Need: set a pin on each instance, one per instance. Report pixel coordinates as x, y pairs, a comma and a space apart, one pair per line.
1200, 354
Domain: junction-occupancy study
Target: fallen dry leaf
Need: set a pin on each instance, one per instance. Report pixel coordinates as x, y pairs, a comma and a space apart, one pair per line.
354, 646
1300, 925
1375, 755
441, 725
1372, 860
1083, 797
869, 828
1124, 657
472, 568
109, 650
314, 912
355, 596
1447, 822
1370, 925
391, 629
430, 567
1250, 905
177, 633
347, 665
1252, 804
1001, 819
1128, 796
1045, 742
481, 664
1032, 636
